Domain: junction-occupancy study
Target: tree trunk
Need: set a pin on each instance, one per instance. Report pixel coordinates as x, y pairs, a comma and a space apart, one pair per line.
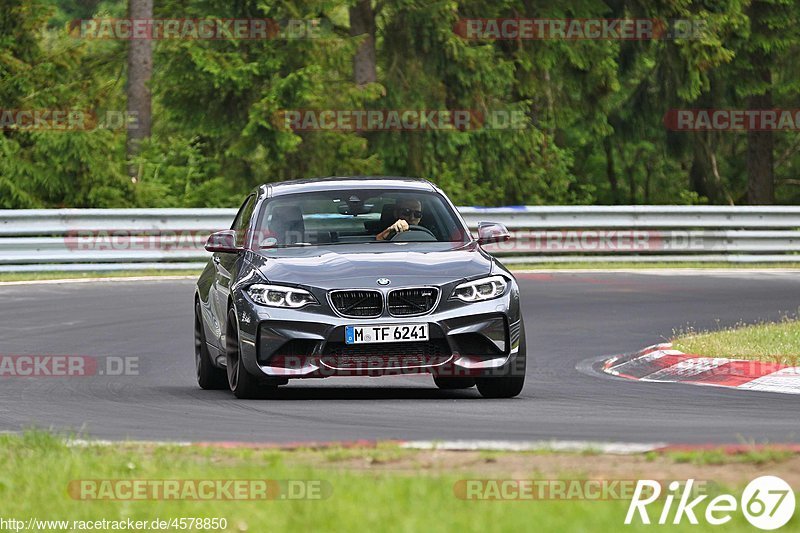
362, 21
760, 158
414, 155
140, 70
637, 160
611, 171
701, 169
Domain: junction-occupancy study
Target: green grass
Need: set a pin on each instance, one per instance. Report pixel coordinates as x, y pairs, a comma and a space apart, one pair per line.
38, 467
777, 342
645, 266
34, 276
384, 452
758, 457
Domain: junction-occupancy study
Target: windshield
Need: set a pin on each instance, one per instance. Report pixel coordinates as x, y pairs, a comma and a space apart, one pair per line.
357, 216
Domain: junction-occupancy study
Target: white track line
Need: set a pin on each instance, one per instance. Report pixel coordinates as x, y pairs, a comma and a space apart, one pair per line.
85, 443
615, 448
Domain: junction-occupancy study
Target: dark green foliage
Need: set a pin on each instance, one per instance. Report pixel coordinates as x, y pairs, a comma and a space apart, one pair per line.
593, 130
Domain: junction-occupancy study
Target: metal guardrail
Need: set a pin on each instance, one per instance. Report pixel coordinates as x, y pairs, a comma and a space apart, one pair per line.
122, 239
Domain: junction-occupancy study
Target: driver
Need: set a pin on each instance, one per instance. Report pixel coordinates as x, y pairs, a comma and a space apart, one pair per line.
408, 212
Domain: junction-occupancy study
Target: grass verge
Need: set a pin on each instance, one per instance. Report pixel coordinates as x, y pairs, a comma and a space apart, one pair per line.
777, 342
384, 489
718, 457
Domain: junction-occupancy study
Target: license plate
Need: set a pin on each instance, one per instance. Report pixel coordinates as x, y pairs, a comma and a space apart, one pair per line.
378, 333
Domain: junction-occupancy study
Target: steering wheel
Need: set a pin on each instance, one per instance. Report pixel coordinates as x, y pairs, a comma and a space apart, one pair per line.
412, 227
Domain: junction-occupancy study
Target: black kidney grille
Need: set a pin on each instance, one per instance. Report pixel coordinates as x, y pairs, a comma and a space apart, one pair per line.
358, 303
416, 301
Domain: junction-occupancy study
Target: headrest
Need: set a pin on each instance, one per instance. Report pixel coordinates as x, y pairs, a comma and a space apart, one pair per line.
287, 224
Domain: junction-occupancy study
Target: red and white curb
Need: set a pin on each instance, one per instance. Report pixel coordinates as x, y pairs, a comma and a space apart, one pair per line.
660, 363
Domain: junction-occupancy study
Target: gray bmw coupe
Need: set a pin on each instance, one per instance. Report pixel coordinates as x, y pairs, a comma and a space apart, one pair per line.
356, 277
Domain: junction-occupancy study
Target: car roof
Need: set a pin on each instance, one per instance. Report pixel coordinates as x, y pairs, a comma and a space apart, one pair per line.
345, 182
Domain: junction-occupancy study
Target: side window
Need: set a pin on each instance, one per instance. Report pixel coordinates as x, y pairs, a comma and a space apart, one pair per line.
242, 220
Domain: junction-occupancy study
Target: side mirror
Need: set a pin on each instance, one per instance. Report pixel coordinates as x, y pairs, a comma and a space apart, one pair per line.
489, 232
222, 241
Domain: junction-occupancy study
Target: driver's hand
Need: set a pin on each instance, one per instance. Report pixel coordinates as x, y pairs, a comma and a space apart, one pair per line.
399, 227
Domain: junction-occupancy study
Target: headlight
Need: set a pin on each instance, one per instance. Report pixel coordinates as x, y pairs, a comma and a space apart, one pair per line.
481, 289
277, 296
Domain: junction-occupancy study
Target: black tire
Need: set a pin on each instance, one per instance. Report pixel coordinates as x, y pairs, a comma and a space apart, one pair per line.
510, 384
243, 384
209, 377
448, 383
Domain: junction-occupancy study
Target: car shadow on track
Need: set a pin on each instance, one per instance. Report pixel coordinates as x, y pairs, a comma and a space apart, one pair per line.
289, 393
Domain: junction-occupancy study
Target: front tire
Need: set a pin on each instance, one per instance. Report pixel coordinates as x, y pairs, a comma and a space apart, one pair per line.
511, 382
209, 377
241, 382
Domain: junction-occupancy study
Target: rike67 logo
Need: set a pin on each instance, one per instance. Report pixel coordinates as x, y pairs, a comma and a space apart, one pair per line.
767, 502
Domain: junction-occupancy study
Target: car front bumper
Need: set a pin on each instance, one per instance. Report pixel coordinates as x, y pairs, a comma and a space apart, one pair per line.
475, 339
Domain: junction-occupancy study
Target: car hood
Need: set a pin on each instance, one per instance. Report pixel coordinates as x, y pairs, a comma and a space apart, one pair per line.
350, 266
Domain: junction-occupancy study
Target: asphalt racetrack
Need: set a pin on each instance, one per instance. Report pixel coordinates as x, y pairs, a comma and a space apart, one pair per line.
571, 319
